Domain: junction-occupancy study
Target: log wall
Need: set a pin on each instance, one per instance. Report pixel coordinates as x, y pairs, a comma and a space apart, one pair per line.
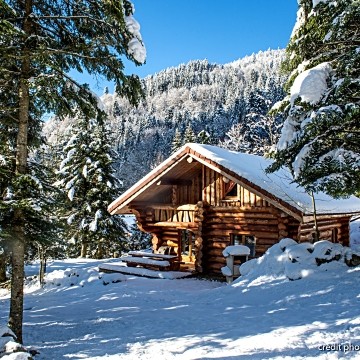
266, 223
326, 227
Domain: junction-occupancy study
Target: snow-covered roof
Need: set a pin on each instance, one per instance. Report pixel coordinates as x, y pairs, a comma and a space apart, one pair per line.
249, 169
279, 183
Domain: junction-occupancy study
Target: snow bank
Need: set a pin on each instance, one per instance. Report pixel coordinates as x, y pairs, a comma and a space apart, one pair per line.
355, 235
289, 259
79, 277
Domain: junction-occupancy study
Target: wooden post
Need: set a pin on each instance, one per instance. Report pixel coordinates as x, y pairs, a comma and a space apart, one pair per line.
315, 237
199, 217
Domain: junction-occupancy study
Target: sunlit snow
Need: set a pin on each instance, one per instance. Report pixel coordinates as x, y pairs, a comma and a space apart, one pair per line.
310, 85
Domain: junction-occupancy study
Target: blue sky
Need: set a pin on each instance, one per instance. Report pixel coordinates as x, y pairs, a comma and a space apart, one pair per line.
177, 31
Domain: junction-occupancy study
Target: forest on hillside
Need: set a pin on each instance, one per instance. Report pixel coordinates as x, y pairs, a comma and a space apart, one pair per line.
224, 105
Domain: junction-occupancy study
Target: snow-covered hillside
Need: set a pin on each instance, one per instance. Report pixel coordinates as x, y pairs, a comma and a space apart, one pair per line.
81, 314
199, 95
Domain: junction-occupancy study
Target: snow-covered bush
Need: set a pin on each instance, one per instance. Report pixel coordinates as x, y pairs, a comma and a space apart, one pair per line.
295, 261
9, 348
80, 277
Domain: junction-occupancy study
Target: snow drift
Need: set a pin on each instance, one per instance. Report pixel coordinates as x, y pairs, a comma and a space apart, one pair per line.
295, 261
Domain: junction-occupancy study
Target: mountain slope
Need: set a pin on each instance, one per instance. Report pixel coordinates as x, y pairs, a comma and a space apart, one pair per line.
199, 96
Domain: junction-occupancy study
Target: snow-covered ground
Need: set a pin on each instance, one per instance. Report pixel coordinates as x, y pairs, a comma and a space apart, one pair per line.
262, 315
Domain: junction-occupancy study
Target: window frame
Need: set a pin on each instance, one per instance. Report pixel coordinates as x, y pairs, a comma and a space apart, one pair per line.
243, 241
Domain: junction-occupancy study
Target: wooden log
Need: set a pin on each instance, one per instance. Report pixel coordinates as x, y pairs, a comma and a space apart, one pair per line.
241, 220
321, 226
215, 267
282, 226
246, 227
219, 187
170, 232
266, 242
218, 245
212, 188
242, 214
185, 225
217, 252
216, 259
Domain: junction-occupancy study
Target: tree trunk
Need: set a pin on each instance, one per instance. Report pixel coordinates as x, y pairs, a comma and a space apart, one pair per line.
42, 270
18, 242
17, 283
83, 250
316, 233
3, 267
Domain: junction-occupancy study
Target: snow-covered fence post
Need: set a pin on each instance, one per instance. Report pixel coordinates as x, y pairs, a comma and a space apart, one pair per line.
231, 270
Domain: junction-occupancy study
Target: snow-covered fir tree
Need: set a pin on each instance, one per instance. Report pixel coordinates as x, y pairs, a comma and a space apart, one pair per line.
86, 175
177, 141
259, 132
41, 42
320, 140
189, 135
203, 137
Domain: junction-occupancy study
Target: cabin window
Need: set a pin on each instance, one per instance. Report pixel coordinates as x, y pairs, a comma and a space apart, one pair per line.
242, 239
231, 190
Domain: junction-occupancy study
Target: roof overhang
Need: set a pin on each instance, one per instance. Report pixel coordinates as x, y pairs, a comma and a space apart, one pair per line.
159, 176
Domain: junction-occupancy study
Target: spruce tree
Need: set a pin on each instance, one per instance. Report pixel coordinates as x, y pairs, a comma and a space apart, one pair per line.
189, 135
177, 141
320, 140
203, 137
87, 176
41, 41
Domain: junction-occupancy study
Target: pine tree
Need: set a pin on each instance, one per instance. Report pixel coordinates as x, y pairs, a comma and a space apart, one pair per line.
40, 43
86, 175
177, 141
189, 135
203, 137
320, 139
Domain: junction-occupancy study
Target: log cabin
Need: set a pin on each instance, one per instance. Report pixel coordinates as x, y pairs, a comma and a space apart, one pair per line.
204, 198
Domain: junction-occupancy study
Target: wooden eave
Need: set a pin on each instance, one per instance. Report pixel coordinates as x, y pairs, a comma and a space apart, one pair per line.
121, 202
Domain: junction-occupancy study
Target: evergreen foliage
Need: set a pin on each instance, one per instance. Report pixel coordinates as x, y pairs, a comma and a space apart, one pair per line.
41, 42
177, 141
259, 132
189, 135
86, 176
320, 140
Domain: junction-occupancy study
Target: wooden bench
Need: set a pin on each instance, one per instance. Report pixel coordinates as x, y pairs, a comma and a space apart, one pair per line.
150, 260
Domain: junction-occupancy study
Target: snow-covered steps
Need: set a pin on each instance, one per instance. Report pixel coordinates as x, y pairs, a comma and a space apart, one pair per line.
139, 271
135, 260
151, 260
152, 255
